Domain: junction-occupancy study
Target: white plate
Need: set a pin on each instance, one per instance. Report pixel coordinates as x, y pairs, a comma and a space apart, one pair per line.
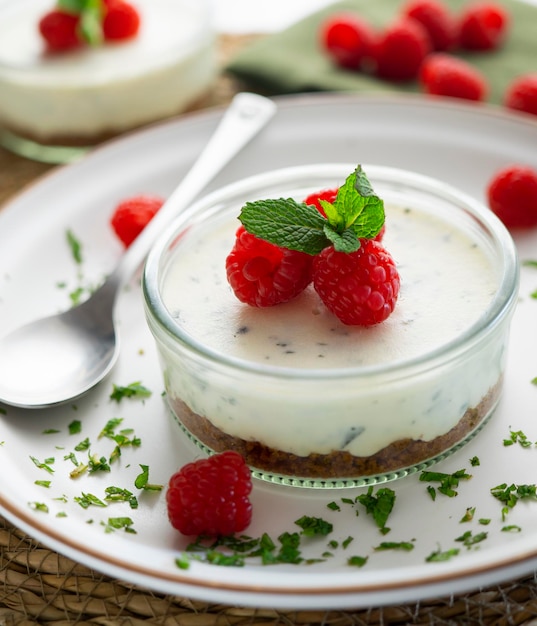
462, 144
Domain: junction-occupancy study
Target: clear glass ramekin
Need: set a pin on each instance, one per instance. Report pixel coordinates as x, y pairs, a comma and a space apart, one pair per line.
317, 424
53, 107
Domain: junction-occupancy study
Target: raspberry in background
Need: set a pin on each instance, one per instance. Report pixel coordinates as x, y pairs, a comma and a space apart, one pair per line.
401, 49
442, 74
59, 29
483, 26
210, 496
437, 20
512, 195
121, 21
360, 288
348, 40
262, 274
132, 215
521, 94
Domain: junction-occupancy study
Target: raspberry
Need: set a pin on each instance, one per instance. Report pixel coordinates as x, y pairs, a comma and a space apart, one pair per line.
401, 50
210, 496
262, 274
512, 195
121, 21
348, 40
132, 215
444, 75
59, 29
483, 26
360, 288
437, 20
521, 95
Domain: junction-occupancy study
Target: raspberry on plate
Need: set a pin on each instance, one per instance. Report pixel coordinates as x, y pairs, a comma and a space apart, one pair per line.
360, 288
521, 94
121, 20
132, 215
512, 195
401, 49
348, 40
437, 20
445, 75
262, 274
211, 496
483, 26
59, 29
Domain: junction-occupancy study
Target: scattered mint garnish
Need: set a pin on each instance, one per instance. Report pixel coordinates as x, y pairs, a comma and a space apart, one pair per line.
356, 213
133, 390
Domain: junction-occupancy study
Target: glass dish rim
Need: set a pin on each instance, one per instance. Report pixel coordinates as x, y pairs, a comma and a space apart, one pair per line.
500, 307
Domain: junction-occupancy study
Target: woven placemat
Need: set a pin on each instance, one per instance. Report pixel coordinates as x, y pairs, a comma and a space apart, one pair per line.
40, 586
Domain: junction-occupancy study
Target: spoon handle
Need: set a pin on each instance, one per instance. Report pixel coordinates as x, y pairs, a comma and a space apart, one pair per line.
247, 114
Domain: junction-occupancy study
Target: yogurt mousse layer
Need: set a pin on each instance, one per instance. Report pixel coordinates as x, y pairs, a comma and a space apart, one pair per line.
82, 96
300, 394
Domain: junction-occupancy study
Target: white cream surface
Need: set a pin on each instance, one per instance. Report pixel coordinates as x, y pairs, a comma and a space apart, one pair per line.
447, 282
108, 88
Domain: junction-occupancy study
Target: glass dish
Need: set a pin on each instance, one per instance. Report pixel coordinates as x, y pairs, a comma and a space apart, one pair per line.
308, 401
53, 107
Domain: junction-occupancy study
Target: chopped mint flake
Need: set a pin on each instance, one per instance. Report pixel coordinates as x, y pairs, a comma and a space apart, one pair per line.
442, 555
314, 526
133, 390
379, 505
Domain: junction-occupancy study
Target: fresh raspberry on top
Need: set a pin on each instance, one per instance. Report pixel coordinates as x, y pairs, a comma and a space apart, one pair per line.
59, 29
210, 496
121, 21
437, 20
521, 95
132, 215
445, 75
512, 195
360, 288
483, 26
348, 39
401, 49
262, 274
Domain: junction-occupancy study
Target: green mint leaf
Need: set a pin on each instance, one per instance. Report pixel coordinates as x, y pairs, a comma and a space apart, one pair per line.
358, 206
345, 242
90, 26
286, 223
355, 214
71, 6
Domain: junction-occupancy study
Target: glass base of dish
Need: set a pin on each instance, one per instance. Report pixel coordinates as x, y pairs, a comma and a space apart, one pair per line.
346, 482
34, 151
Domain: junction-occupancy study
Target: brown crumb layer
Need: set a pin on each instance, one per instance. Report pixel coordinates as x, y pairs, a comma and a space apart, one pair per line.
339, 463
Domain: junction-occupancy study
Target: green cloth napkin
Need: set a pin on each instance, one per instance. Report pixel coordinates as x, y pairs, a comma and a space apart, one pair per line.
292, 60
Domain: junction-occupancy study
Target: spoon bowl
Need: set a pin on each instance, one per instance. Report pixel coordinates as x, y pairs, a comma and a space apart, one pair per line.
58, 358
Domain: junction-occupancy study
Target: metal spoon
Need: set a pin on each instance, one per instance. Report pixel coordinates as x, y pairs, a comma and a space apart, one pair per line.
58, 358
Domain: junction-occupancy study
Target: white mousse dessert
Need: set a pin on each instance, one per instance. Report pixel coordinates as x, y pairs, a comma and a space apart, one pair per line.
82, 96
303, 396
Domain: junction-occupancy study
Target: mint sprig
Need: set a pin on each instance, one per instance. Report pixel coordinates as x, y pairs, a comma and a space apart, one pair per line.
356, 213
91, 18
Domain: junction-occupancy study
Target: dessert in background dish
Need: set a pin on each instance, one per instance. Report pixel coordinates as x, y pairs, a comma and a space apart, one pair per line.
84, 95
306, 399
